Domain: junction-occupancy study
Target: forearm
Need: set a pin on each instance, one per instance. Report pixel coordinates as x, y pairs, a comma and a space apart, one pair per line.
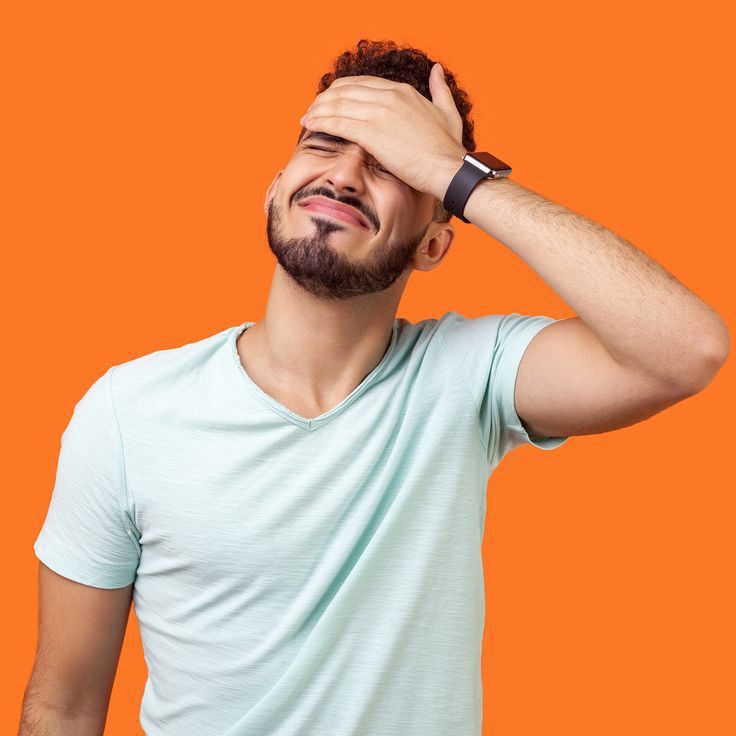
38, 719
639, 311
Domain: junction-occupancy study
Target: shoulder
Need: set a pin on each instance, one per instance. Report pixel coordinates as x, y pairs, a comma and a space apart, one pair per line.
168, 369
458, 330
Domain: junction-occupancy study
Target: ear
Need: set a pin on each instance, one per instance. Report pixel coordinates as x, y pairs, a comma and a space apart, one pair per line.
271, 191
435, 247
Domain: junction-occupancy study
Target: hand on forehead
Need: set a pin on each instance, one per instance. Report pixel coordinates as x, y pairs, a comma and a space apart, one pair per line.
409, 135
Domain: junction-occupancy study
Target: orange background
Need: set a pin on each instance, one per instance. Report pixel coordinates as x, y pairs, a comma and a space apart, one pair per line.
140, 140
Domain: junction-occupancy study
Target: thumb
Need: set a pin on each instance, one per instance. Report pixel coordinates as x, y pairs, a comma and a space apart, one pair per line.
441, 94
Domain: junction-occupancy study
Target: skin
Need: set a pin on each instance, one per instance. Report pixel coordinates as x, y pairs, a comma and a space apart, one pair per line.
336, 287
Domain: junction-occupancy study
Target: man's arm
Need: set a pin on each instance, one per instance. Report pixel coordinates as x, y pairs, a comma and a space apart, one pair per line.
80, 636
641, 341
568, 384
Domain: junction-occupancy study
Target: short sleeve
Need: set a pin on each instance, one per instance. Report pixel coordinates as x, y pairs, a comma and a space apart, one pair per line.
88, 534
488, 351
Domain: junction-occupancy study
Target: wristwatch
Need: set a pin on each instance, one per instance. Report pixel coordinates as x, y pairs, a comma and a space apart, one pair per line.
476, 166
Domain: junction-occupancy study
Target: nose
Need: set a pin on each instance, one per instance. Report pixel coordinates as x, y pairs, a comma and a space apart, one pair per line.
346, 173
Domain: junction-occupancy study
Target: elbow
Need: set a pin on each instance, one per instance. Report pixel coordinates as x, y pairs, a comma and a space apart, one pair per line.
714, 354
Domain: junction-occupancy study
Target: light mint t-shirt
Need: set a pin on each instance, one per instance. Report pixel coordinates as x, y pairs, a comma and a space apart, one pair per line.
293, 576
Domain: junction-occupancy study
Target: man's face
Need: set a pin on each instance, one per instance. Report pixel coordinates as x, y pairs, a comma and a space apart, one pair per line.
338, 257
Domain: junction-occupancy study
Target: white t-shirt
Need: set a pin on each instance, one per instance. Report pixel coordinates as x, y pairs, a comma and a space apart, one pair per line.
294, 576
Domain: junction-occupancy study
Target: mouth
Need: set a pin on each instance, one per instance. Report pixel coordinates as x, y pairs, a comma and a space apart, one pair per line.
335, 209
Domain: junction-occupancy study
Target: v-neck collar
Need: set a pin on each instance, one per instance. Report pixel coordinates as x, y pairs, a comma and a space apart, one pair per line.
285, 412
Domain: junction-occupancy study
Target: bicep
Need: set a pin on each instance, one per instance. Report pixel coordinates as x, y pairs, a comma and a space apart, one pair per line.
568, 384
80, 635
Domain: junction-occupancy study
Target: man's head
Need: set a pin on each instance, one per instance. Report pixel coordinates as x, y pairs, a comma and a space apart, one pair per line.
399, 228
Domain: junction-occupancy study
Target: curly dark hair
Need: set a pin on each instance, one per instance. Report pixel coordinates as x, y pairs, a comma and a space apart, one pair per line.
400, 64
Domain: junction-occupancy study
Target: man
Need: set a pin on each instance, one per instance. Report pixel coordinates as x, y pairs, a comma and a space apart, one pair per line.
297, 504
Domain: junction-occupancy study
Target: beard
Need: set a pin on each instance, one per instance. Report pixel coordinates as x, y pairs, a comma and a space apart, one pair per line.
328, 273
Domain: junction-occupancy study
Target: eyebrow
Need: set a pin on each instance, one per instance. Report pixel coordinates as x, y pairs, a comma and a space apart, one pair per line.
318, 134
327, 138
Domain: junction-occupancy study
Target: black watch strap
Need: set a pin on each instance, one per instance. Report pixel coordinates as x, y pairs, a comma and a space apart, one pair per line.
476, 167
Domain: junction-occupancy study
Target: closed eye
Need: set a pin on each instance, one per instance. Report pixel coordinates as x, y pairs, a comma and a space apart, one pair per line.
332, 150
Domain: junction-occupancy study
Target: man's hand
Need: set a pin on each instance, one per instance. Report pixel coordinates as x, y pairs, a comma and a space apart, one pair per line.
418, 141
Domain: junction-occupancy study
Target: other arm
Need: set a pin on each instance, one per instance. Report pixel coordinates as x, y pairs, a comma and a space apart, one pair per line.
80, 636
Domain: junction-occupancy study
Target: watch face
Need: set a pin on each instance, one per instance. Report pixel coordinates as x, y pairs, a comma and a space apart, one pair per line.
489, 160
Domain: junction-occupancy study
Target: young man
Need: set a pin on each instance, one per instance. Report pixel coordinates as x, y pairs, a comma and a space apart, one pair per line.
297, 503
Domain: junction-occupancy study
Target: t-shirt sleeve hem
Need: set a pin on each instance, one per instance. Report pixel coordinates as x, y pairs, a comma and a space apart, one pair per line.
514, 358
96, 575
543, 443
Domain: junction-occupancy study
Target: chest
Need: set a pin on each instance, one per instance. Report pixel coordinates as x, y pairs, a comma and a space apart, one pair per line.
269, 507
